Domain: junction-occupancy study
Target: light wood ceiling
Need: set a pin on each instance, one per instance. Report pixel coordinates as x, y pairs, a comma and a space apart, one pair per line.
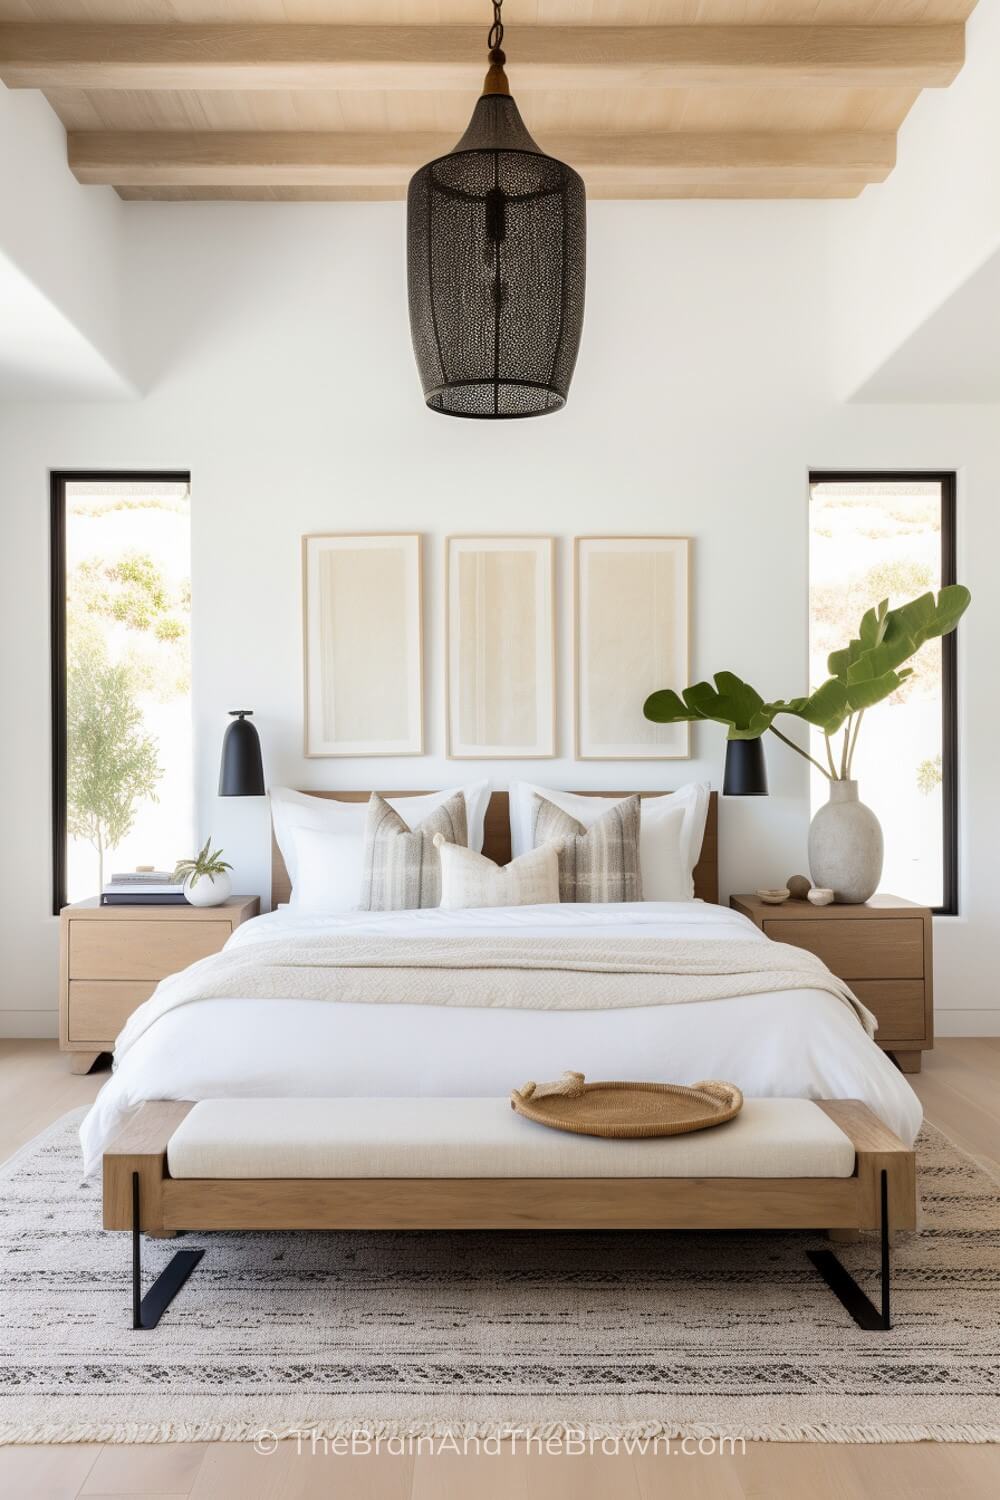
321, 99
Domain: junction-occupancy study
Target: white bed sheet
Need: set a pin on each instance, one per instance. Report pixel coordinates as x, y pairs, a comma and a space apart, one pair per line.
796, 1043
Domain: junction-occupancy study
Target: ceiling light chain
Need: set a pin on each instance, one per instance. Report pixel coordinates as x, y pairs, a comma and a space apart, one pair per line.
494, 41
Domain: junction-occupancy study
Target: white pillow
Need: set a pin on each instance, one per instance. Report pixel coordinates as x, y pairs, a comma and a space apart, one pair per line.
326, 874
671, 831
470, 879
328, 871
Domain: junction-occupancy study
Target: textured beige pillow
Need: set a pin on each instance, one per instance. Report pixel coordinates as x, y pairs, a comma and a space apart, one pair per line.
402, 870
470, 879
600, 863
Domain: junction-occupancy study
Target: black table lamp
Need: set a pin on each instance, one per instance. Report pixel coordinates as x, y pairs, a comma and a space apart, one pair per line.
746, 769
242, 772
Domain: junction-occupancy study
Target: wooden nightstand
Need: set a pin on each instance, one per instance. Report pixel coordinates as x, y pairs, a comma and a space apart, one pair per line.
883, 951
111, 958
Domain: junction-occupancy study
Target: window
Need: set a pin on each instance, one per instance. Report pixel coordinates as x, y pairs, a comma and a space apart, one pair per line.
871, 537
121, 676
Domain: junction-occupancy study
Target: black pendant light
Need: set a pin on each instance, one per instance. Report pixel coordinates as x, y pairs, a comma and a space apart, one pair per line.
496, 253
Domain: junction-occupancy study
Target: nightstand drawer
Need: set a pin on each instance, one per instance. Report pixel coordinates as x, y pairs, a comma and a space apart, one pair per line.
858, 947
899, 1005
98, 1009
140, 950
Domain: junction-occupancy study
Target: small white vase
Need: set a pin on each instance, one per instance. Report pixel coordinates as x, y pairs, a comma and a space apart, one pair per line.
209, 890
845, 846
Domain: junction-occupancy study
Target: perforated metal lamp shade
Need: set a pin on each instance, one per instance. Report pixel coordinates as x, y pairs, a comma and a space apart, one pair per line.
242, 771
496, 257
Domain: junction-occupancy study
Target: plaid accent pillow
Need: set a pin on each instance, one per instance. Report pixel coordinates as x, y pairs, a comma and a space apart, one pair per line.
596, 864
402, 868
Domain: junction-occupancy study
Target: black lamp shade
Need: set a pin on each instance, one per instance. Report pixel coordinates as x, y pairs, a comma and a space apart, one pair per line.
496, 254
242, 771
746, 769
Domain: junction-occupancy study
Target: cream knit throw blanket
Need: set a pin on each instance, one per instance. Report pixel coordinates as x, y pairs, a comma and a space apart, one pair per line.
560, 973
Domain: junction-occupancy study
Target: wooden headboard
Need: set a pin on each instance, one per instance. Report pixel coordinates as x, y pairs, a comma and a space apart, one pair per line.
496, 840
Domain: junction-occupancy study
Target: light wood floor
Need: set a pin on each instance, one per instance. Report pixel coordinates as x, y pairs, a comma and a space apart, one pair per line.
960, 1088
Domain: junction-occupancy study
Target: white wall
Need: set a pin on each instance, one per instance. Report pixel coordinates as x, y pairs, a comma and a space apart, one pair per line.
61, 327
902, 249
274, 343
954, 354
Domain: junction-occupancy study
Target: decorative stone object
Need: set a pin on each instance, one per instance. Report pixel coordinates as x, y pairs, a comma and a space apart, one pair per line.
821, 895
845, 846
773, 895
799, 887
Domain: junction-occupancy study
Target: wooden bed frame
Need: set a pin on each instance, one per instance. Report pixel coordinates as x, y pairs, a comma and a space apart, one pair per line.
141, 1196
496, 840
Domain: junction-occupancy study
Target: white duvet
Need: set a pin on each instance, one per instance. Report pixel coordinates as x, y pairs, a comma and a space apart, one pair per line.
797, 1043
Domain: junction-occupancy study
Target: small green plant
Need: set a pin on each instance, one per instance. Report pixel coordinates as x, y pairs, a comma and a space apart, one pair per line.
206, 862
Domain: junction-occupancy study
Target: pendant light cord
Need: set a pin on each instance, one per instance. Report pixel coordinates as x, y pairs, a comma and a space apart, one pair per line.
495, 39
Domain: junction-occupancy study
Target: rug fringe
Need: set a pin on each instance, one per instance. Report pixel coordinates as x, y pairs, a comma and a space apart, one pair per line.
526, 1434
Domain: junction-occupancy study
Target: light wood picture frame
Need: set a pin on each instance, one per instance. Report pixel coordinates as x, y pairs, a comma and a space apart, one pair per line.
500, 647
631, 636
362, 610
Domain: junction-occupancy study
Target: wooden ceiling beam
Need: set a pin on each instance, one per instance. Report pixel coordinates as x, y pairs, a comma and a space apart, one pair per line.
844, 188
293, 56
648, 163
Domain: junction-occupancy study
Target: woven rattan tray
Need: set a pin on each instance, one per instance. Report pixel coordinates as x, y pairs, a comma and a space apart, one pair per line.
624, 1111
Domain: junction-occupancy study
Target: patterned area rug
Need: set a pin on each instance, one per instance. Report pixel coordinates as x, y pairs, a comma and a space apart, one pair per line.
402, 1334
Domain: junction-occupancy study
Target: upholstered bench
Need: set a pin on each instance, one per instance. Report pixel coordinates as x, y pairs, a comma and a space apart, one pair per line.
456, 1164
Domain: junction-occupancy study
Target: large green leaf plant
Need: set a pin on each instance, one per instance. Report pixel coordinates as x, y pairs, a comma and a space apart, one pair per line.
865, 672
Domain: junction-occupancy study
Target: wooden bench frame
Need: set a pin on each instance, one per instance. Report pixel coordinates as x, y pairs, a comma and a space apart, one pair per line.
141, 1196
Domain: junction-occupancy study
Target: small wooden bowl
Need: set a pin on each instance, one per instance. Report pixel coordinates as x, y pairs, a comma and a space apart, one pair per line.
774, 896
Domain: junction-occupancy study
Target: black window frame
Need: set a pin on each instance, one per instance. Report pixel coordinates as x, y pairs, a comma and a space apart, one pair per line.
948, 481
58, 480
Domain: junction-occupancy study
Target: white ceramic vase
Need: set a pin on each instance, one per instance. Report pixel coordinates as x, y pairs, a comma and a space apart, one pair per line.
209, 890
845, 846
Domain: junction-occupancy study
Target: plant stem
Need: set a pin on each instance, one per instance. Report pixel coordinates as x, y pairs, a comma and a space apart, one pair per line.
854, 742
829, 756
804, 753
847, 740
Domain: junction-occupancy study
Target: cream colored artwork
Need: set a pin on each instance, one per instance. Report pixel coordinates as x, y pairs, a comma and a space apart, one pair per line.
363, 646
501, 669
631, 638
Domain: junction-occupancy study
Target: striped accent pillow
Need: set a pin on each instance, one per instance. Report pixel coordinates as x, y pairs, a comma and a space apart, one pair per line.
596, 864
402, 868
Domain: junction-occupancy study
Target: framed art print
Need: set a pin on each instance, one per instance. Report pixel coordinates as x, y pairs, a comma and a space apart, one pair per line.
500, 647
632, 637
363, 645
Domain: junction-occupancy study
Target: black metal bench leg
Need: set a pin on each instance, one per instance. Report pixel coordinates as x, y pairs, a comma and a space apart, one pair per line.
147, 1311
843, 1285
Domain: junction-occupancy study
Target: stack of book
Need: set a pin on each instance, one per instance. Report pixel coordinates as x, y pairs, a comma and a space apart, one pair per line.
143, 888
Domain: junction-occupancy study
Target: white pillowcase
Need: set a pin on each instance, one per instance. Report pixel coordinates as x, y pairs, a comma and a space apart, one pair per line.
322, 840
470, 879
671, 831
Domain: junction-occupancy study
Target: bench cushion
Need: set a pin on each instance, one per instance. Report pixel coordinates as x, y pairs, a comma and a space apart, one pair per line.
232, 1138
